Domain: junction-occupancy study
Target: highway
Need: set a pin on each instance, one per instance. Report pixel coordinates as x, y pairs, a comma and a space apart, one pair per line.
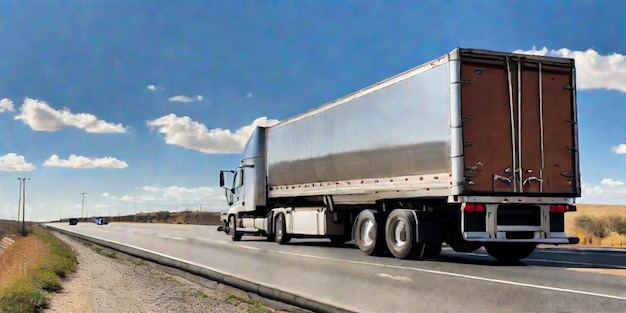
550, 280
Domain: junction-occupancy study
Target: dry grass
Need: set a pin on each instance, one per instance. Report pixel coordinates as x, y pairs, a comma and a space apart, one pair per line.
30, 269
595, 210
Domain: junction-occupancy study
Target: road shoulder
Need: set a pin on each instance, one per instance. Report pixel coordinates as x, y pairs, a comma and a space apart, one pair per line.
110, 281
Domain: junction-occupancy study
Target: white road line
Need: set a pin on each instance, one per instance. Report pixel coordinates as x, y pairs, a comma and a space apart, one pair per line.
171, 237
471, 277
212, 240
399, 278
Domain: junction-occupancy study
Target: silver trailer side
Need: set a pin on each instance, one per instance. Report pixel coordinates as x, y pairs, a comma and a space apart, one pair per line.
397, 130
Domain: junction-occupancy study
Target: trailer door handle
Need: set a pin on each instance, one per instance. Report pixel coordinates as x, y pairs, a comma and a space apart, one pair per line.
502, 178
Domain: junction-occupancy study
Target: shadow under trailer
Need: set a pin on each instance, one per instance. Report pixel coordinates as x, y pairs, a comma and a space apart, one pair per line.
475, 149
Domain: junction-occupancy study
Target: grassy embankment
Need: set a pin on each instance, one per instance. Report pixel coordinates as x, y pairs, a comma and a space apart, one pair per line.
31, 269
598, 225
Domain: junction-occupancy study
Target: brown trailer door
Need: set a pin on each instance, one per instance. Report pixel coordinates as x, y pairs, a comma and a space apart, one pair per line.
519, 128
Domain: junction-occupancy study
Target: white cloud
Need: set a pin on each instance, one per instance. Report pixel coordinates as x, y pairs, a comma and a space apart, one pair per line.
78, 161
172, 195
182, 193
594, 71
249, 95
106, 194
127, 198
619, 149
152, 87
184, 132
15, 163
611, 192
150, 188
611, 183
41, 117
6, 105
182, 98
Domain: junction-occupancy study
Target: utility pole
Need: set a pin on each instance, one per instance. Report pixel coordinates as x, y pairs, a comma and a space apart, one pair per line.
19, 205
23, 190
82, 206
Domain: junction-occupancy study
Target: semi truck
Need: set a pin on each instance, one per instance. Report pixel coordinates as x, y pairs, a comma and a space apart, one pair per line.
473, 149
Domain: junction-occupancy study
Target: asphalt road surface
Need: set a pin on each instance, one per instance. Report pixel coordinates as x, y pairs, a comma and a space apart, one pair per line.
550, 280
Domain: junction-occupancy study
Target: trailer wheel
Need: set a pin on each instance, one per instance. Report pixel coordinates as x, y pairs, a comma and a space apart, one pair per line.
510, 252
400, 235
369, 234
232, 229
281, 236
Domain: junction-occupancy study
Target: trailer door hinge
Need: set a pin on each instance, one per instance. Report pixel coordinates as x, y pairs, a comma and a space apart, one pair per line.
568, 87
466, 82
467, 144
571, 148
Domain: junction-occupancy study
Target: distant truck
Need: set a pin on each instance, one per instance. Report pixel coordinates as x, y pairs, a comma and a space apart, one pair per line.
476, 149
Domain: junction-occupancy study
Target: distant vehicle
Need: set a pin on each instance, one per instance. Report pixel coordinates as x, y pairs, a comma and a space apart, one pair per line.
73, 221
476, 148
101, 221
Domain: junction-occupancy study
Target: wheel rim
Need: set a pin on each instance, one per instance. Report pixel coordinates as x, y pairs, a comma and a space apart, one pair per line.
279, 231
399, 233
231, 225
368, 233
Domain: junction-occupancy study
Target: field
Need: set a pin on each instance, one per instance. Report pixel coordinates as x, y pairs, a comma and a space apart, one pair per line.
595, 211
7, 227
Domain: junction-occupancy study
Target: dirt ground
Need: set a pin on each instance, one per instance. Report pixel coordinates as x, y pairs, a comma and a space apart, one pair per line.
109, 281
19, 257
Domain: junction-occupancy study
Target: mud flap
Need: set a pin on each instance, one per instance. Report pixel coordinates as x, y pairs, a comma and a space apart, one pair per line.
427, 229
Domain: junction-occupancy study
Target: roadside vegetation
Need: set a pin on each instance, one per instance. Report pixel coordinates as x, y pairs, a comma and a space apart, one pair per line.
31, 269
607, 230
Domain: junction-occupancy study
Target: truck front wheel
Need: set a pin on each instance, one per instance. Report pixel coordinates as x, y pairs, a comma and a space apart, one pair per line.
281, 235
510, 252
232, 229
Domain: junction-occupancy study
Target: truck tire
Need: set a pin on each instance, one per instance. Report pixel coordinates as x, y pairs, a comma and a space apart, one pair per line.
281, 236
510, 252
400, 235
369, 233
232, 229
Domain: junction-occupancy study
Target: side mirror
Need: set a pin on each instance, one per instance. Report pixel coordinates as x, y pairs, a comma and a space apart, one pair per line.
221, 178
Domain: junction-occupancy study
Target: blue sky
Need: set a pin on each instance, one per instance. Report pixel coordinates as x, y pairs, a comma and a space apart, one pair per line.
153, 97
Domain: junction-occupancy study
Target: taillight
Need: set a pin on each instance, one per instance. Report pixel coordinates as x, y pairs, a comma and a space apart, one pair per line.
559, 208
474, 207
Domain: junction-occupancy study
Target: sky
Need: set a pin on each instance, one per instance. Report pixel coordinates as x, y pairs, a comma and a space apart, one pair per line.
141, 103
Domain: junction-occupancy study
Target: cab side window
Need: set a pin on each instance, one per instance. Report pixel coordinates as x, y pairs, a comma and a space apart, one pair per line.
238, 179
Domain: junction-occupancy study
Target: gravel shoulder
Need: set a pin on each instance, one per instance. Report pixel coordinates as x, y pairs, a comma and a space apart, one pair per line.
110, 281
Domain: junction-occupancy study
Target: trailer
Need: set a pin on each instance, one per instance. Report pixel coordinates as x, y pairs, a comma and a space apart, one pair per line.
473, 149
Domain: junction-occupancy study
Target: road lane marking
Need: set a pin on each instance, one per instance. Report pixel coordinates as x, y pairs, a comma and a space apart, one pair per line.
171, 237
399, 278
604, 271
457, 275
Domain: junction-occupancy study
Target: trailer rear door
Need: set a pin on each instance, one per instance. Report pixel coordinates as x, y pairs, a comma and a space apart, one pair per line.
519, 125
